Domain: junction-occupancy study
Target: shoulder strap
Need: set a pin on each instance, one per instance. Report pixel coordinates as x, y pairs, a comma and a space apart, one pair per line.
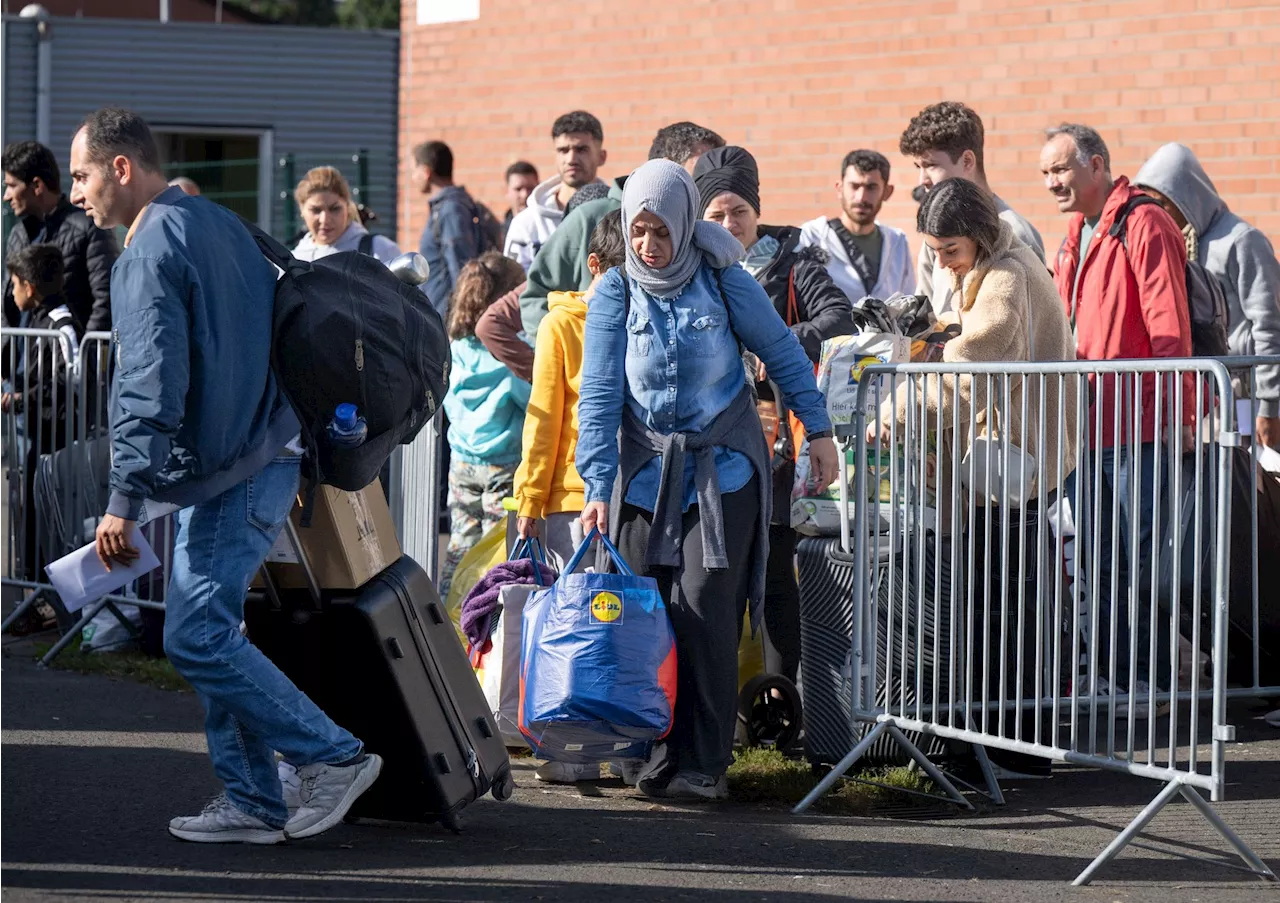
856, 257
270, 248
793, 308
1120, 226
366, 244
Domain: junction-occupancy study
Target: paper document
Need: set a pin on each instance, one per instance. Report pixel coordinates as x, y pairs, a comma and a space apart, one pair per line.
80, 577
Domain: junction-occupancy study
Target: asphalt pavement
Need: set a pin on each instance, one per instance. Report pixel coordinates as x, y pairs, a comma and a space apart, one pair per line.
93, 768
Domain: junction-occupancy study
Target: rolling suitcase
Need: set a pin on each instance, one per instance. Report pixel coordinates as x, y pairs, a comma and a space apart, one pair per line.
385, 663
826, 639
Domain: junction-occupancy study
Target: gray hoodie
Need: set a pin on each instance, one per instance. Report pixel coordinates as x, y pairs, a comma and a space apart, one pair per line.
1238, 254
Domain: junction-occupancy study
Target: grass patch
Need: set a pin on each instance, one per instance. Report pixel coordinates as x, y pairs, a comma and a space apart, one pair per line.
156, 672
767, 777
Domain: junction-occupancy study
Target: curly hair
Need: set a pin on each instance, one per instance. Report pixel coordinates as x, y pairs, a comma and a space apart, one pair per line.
950, 127
579, 121
678, 141
481, 282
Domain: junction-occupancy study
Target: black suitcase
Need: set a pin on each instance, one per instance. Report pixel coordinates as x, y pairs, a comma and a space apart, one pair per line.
826, 640
386, 664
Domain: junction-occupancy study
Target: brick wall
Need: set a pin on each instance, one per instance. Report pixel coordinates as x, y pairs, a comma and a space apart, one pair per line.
801, 82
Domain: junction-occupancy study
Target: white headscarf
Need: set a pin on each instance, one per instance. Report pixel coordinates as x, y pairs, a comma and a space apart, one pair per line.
664, 189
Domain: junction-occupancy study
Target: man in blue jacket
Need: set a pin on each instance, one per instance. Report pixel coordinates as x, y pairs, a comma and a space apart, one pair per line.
199, 422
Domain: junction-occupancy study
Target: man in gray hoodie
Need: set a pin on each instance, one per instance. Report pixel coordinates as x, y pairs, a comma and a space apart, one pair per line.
1234, 251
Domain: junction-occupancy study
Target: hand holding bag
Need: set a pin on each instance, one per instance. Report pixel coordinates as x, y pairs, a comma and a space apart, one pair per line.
598, 671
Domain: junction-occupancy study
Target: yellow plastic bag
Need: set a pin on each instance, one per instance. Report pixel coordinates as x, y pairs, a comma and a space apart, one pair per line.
491, 550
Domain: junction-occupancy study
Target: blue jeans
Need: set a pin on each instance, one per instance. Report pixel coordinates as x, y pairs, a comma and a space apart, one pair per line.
1133, 584
251, 708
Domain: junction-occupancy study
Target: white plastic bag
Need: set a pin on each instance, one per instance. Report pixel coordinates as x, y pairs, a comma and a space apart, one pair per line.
841, 365
498, 670
105, 633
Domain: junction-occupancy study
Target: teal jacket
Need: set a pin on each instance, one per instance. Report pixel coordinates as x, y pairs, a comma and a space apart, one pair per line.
485, 404
561, 264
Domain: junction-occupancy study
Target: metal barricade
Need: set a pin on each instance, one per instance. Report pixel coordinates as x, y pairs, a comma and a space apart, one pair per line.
1030, 598
1250, 377
56, 472
38, 372
416, 497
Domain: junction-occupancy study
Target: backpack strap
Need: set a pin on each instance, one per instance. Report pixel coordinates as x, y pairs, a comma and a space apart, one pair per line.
366, 244
1120, 225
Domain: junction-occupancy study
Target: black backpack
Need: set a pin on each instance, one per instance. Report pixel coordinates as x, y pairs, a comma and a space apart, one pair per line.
345, 329
1206, 299
489, 229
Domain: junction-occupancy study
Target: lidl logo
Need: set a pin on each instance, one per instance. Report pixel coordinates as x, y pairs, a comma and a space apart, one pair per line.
855, 372
606, 607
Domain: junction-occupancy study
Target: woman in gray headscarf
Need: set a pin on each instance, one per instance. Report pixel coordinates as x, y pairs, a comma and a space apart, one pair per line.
662, 361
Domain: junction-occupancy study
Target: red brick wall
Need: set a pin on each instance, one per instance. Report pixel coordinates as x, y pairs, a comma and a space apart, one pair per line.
801, 82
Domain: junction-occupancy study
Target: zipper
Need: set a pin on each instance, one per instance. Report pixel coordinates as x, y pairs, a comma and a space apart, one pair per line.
357, 314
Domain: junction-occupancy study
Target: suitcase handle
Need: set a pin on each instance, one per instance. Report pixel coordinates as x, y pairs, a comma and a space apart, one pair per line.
839, 557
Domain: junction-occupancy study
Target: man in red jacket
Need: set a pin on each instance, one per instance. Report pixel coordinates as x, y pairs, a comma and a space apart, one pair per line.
1126, 297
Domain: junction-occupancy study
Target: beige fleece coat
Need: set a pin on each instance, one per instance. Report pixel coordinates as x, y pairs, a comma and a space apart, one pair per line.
1011, 311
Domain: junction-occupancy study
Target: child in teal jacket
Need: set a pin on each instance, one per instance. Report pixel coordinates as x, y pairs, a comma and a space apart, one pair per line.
485, 405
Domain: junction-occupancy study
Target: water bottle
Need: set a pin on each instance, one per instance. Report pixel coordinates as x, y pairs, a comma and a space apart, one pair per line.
347, 429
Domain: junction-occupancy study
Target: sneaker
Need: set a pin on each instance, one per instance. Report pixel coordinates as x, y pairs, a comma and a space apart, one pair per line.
328, 791
628, 771
689, 785
222, 822
566, 773
1141, 707
290, 786
1272, 718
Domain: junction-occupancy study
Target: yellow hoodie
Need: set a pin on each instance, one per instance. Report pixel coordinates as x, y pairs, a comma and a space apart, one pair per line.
547, 480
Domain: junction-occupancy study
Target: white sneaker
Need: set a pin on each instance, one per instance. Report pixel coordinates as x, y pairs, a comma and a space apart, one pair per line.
328, 792
290, 786
1141, 707
222, 822
689, 785
566, 773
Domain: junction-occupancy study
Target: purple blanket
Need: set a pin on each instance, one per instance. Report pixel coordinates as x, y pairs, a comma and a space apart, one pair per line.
481, 604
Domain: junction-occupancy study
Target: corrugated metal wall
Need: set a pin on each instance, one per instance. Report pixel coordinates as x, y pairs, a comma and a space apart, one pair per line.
325, 93
19, 79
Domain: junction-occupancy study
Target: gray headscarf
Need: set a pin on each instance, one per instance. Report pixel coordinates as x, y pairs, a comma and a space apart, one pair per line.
664, 189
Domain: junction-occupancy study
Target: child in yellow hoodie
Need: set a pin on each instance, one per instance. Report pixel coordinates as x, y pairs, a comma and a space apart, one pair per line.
548, 489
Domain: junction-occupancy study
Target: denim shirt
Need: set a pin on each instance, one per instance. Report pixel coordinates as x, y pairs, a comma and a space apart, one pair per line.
450, 239
682, 366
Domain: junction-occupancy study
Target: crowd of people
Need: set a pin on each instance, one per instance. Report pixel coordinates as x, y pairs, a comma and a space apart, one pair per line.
647, 348
598, 334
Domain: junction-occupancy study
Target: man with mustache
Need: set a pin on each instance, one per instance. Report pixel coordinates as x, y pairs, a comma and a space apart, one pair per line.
863, 256
579, 143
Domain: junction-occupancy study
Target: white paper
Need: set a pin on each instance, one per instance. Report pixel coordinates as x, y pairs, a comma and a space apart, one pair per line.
1268, 458
81, 578
1244, 416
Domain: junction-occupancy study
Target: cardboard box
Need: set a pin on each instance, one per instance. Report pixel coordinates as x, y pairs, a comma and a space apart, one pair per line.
351, 539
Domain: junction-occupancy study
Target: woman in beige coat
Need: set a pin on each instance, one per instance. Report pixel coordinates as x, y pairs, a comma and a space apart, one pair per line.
1010, 311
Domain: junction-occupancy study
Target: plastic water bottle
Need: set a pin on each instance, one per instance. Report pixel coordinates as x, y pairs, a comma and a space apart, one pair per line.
347, 429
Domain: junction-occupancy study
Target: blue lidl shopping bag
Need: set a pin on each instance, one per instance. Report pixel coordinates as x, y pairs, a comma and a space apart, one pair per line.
598, 670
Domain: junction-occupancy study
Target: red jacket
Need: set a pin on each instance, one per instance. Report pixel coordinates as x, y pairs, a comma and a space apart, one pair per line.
1128, 305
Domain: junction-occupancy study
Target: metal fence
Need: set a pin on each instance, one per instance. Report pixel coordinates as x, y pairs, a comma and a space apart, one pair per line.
1041, 558
56, 457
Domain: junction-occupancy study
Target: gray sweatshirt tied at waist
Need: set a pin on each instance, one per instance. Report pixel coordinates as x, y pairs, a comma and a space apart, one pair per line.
736, 428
